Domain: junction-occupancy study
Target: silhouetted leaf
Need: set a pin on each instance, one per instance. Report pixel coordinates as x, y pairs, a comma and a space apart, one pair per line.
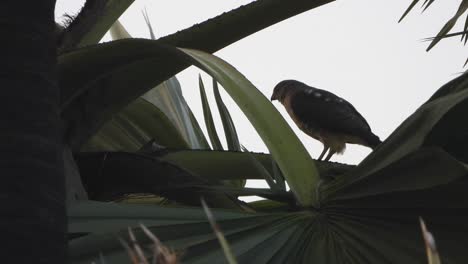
444, 32
133, 127
111, 175
227, 165
408, 10
102, 21
449, 25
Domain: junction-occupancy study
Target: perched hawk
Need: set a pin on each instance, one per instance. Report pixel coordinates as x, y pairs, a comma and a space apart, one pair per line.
325, 117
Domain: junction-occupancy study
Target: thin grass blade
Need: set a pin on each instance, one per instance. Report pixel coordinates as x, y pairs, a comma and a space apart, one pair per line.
429, 241
131, 254
148, 23
219, 234
137, 249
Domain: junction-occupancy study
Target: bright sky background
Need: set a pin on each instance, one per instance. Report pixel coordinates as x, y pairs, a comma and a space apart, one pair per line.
355, 49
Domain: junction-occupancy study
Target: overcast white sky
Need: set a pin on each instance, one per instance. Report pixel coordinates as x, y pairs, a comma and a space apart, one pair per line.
355, 49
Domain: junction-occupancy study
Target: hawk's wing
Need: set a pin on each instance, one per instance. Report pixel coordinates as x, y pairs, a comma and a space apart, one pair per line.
317, 108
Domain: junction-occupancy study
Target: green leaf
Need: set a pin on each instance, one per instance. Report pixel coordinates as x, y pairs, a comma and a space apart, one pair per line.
227, 165
238, 23
209, 123
217, 165
198, 132
455, 85
269, 206
219, 234
229, 129
113, 10
427, 183
293, 159
417, 171
275, 195
111, 175
90, 25
139, 123
118, 31
168, 97
210, 126
262, 171
279, 179
116, 67
179, 228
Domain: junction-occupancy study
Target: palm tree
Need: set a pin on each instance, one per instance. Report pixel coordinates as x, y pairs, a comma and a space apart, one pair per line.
33, 222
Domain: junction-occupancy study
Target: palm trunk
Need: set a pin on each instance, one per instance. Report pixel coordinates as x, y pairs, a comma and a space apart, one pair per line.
32, 214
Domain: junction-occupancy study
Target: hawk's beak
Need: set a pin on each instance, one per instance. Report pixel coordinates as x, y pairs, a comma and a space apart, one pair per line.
273, 97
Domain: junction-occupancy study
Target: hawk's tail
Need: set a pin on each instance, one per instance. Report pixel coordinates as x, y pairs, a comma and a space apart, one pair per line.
373, 140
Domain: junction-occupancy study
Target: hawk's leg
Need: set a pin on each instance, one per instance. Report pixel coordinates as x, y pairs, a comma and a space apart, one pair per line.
325, 149
330, 154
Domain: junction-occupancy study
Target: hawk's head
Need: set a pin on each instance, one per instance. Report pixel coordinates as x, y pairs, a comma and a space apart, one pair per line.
283, 87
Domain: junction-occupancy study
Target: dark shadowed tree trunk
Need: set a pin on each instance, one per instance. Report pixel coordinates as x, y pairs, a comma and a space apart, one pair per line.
32, 214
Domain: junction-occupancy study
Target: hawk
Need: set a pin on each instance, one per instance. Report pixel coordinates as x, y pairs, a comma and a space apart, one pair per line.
324, 116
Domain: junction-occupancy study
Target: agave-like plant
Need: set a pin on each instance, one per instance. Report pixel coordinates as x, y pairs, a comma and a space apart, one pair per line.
333, 213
